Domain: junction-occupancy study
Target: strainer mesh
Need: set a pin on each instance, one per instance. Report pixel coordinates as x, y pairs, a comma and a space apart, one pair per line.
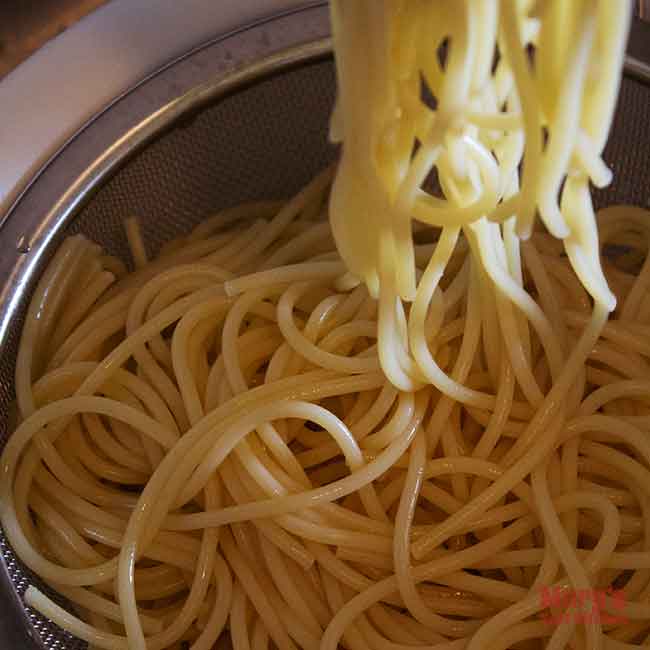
263, 142
628, 149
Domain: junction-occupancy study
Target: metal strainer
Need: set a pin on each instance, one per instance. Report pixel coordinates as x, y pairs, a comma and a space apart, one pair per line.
259, 132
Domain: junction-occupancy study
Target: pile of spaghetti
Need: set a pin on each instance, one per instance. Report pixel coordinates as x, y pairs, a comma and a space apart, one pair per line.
426, 426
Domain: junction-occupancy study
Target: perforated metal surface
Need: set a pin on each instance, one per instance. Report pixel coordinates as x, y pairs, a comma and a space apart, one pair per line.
628, 149
262, 142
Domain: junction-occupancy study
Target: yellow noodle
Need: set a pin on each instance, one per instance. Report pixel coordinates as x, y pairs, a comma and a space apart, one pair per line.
399, 429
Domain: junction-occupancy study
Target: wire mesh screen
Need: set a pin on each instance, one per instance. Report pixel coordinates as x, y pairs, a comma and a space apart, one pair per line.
265, 141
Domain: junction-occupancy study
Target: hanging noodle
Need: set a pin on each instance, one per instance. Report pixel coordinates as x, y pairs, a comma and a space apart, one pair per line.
439, 439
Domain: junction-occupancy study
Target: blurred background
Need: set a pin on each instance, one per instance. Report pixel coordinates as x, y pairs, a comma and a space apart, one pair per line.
26, 25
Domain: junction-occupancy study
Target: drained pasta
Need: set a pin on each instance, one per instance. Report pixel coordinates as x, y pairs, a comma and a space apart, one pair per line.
379, 434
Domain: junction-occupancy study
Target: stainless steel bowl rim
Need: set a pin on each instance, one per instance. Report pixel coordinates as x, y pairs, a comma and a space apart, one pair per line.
115, 135
39, 219
298, 36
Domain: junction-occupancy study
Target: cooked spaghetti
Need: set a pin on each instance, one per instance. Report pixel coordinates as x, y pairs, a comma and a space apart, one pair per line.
436, 439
